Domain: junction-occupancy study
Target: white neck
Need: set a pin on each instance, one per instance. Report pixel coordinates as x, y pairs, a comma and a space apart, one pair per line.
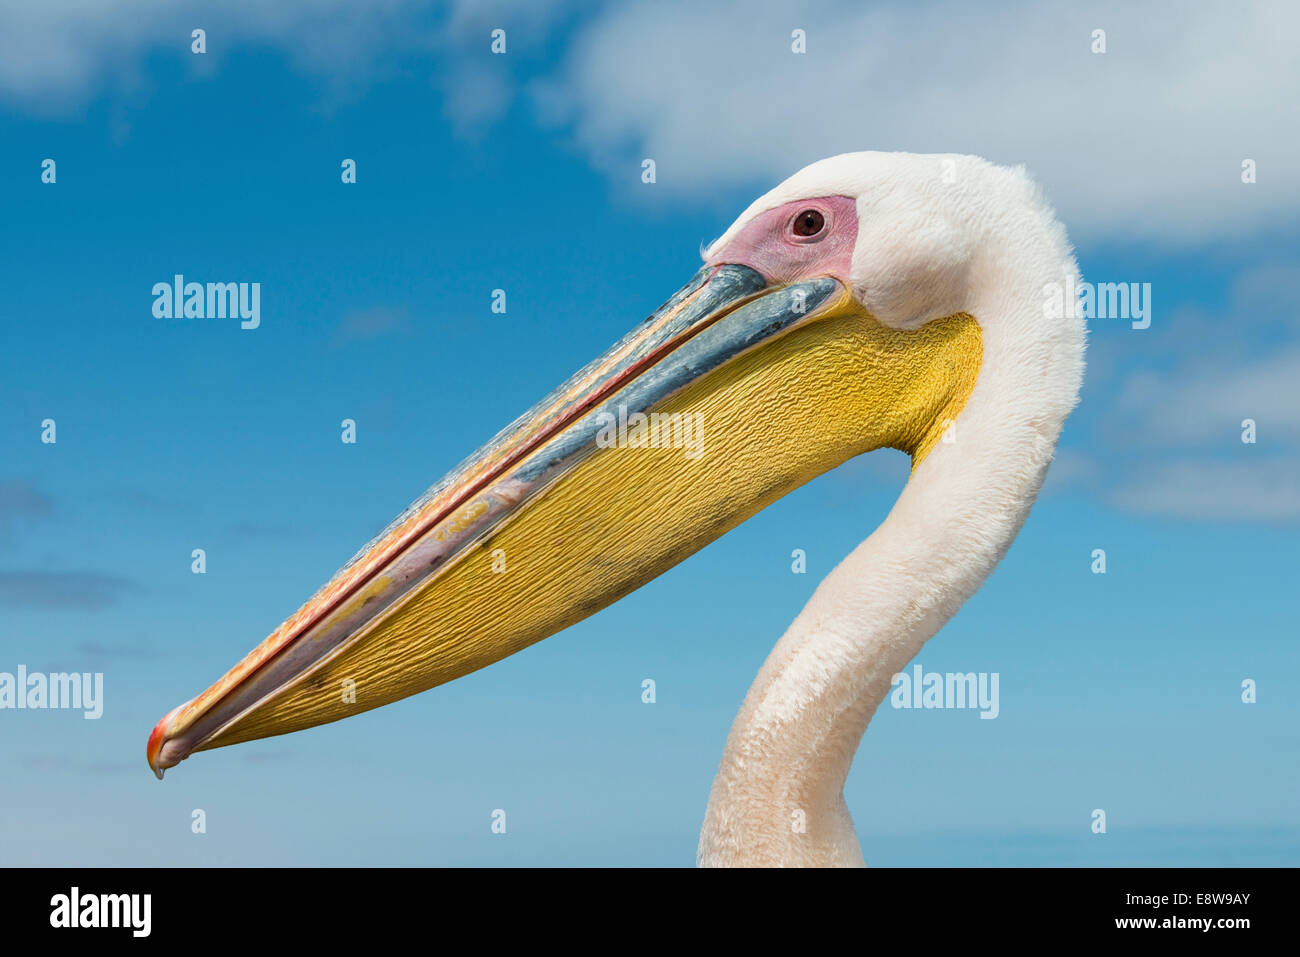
792, 744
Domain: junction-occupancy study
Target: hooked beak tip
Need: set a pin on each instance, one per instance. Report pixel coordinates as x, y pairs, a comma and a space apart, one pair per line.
157, 738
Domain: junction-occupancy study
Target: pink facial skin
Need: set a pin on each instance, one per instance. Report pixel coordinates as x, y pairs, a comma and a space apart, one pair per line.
769, 244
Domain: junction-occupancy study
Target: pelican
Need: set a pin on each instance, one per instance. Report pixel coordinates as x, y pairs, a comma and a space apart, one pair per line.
872, 300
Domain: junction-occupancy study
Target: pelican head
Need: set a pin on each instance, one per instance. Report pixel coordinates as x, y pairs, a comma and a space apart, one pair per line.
872, 300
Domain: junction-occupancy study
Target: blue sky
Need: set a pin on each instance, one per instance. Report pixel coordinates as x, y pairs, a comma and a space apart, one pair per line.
522, 172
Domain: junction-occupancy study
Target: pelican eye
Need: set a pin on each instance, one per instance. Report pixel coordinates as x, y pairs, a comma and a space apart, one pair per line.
809, 223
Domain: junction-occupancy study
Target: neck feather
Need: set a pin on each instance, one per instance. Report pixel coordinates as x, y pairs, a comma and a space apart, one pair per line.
778, 795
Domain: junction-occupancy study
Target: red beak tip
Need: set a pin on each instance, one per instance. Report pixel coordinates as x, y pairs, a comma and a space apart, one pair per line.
153, 751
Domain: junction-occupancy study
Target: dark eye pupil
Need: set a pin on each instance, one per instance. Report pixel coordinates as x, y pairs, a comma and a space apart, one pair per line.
809, 223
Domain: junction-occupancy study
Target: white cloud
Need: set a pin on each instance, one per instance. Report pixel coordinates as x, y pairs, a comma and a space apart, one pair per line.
54, 54
1210, 406
1196, 375
362, 325
1071, 469
1262, 490
474, 96
1201, 373
1144, 141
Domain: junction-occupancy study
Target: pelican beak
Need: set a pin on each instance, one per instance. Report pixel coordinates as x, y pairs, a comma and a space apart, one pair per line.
731, 394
